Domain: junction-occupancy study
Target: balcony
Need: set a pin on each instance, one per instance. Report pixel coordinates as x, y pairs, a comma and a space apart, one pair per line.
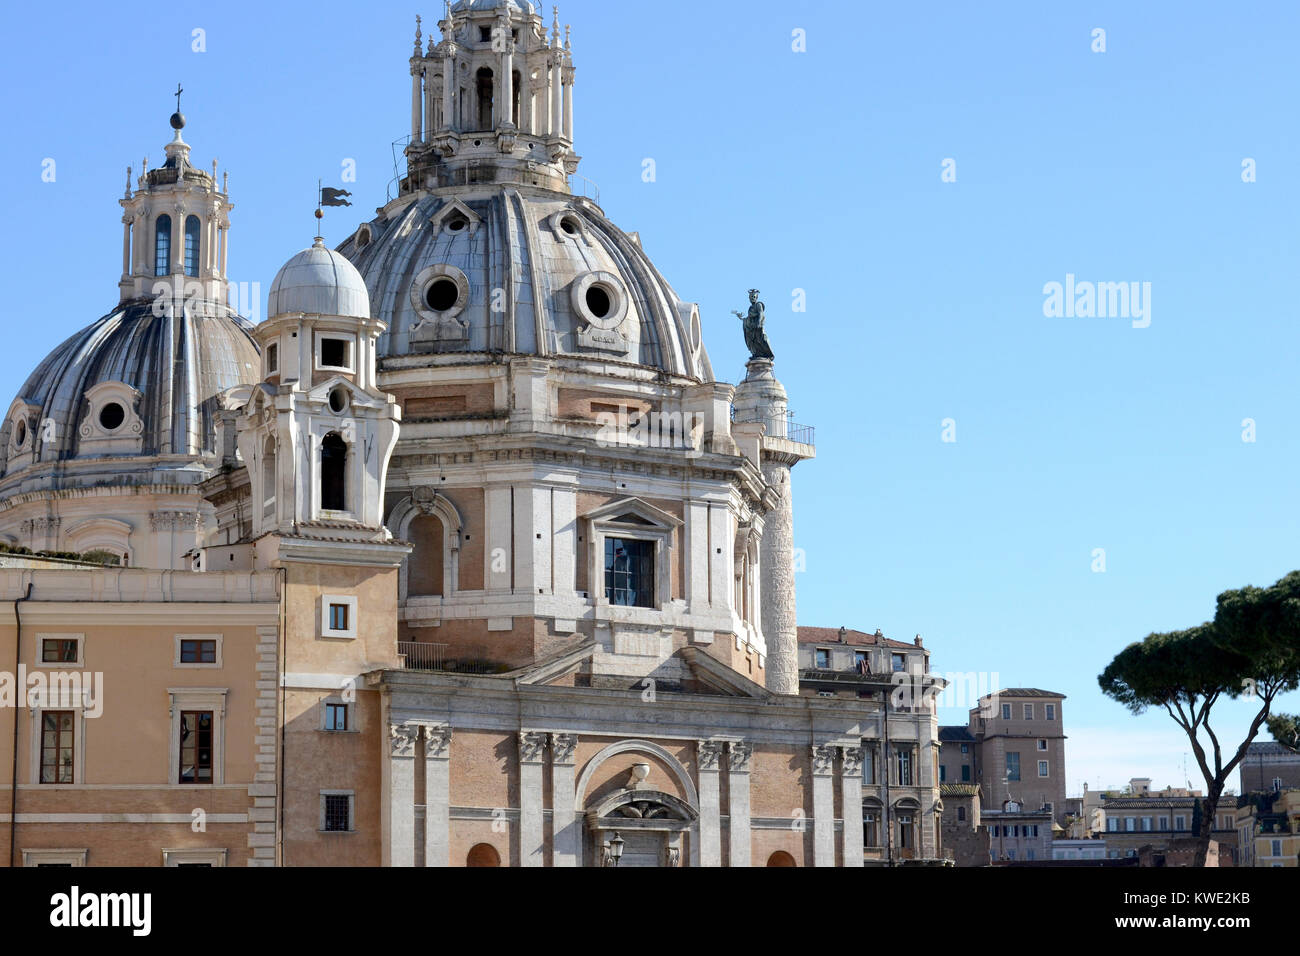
426, 656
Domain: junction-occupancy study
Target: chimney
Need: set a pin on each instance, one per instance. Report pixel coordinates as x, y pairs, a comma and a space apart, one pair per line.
918, 641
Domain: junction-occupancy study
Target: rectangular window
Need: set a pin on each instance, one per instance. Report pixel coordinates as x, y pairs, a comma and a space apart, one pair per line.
1029, 711
1011, 854
58, 650
903, 767
1042, 768
335, 353
1112, 824
870, 827
1277, 848
961, 814
965, 748
1164, 823
1180, 823
943, 774
272, 358
56, 746
1051, 711
906, 838
338, 617
336, 716
1006, 711
823, 656
1013, 766
1130, 824
629, 572
860, 661
1029, 854
1042, 744
965, 773
337, 812
198, 651
899, 663
196, 746
869, 765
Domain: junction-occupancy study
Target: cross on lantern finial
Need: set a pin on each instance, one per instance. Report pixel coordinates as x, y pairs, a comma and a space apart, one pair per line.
177, 94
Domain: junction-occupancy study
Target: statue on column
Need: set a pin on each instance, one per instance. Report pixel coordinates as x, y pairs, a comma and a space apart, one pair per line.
755, 337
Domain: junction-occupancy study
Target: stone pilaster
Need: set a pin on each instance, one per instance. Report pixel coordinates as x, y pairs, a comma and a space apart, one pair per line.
437, 795
399, 796
532, 751
851, 801
739, 838
565, 829
823, 771
707, 754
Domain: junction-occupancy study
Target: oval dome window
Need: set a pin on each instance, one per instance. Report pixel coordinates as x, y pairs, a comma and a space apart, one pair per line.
338, 399
111, 416
441, 295
598, 301
20, 433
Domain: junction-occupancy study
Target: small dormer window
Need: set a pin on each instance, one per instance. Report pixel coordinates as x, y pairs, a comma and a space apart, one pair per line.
272, 358
334, 352
111, 416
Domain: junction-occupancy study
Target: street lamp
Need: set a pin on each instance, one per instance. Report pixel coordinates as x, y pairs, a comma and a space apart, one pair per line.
613, 850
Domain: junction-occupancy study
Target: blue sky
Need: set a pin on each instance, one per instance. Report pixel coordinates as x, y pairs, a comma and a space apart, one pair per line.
821, 171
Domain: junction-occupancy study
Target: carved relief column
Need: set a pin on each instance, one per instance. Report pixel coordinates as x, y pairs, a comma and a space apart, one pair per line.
532, 749
851, 800
399, 796
738, 755
437, 795
823, 769
565, 830
707, 754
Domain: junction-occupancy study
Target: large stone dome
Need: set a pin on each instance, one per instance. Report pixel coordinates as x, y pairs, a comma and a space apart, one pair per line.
136, 382
511, 269
318, 281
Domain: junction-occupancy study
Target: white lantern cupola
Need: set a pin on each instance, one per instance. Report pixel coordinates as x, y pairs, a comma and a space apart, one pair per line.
175, 229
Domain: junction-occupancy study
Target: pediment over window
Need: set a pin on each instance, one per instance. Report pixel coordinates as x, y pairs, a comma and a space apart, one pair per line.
634, 512
455, 217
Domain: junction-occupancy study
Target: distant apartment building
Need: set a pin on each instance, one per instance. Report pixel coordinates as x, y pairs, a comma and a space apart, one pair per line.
1268, 829
1163, 820
1019, 834
1013, 748
1268, 767
1078, 850
901, 807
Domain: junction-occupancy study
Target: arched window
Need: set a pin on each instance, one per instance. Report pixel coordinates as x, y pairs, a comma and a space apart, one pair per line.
333, 461
781, 858
162, 245
484, 82
424, 570
268, 480
192, 246
483, 854
516, 96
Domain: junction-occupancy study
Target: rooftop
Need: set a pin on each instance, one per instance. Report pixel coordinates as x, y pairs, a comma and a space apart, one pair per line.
831, 635
958, 733
1024, 692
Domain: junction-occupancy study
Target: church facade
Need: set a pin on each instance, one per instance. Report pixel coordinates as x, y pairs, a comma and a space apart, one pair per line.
462, 557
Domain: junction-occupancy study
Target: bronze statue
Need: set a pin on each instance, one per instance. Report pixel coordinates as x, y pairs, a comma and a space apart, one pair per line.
755, 337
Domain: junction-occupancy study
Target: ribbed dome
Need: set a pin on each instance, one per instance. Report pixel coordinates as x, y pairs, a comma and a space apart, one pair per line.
177, 367
318, 281
480, 5
499, 269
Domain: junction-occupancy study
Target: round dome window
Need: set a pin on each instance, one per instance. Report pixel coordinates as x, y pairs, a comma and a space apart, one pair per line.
569, 225
457, 224
338, 399
598, 301
442, 294
111, 416
20, 433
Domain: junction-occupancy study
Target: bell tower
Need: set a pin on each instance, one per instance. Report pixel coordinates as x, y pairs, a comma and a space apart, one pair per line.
492, 101
175, 228
316, 433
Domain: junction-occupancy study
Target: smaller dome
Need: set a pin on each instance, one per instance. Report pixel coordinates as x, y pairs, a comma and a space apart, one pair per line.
319, 281
478, 6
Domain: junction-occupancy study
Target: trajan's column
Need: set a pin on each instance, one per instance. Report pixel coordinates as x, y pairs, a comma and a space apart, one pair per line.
761, 398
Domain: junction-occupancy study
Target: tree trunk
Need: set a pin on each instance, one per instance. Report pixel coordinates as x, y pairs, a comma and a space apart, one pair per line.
1209, 810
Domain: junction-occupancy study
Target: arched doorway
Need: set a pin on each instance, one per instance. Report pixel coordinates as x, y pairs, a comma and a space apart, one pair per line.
483, 854
781, 858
